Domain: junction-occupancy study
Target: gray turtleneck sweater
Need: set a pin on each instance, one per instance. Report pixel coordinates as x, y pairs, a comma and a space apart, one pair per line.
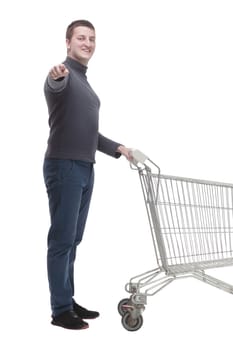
73, 109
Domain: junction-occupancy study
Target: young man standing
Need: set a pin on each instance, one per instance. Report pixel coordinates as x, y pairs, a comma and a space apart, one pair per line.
74, 137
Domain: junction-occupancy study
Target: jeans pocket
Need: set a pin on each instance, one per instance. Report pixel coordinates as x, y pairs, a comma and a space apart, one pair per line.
56, 171
65, 168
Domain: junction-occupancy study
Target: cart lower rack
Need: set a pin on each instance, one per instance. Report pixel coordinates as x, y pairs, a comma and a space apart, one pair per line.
191, 223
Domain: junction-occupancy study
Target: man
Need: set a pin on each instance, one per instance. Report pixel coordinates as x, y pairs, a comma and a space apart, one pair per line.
74, 138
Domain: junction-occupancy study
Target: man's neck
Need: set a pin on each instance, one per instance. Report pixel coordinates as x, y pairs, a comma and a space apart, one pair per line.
81, 61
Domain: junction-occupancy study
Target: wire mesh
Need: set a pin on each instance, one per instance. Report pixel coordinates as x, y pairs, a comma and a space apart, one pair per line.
192, 220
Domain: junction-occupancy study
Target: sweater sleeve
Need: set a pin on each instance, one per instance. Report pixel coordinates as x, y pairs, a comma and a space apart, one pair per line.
56, 85
108, 146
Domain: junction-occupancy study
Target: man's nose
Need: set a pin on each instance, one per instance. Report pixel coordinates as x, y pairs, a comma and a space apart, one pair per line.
87, 42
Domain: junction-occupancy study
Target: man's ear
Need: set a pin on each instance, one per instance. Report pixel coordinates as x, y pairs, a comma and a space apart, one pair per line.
68, 44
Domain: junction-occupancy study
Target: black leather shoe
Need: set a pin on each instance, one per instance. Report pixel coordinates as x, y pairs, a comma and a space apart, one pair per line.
84, 313
70, 320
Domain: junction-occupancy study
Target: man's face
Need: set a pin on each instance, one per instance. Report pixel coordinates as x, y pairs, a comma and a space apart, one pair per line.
82, 44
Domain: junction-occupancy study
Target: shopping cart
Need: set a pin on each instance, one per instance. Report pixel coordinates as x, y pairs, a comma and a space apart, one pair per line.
191, 223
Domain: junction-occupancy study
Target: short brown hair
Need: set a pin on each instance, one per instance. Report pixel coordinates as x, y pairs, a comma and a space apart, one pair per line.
78, 23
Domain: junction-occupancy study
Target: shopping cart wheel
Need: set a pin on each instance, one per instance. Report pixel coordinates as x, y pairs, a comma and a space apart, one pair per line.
122, 306
131, 324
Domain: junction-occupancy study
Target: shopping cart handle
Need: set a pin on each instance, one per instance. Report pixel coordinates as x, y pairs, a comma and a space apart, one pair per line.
138, 157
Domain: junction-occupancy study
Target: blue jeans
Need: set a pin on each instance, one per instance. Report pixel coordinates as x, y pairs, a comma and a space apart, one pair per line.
69, 186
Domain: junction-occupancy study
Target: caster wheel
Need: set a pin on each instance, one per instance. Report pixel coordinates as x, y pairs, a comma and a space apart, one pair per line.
121, 305
131, 324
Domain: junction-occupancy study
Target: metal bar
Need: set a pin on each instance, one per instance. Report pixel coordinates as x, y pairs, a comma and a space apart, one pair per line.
200, 275
144, 185
150, 190
196, 181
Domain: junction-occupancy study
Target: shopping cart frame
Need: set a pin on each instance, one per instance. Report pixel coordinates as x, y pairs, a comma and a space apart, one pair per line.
191, 222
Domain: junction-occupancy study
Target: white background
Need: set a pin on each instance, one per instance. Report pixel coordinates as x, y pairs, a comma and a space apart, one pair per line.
163, 71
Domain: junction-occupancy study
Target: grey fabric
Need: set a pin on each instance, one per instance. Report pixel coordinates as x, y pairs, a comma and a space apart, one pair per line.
73, 108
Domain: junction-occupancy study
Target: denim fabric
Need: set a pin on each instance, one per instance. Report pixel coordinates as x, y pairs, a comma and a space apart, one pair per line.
69, 186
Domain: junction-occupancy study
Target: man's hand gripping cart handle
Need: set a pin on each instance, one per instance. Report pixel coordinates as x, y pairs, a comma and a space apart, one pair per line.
140, 159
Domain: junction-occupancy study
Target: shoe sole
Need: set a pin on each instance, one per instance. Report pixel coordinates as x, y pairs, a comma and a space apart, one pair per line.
71, 328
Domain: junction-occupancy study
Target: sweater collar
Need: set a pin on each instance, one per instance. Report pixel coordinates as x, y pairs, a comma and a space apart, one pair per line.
76, 65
